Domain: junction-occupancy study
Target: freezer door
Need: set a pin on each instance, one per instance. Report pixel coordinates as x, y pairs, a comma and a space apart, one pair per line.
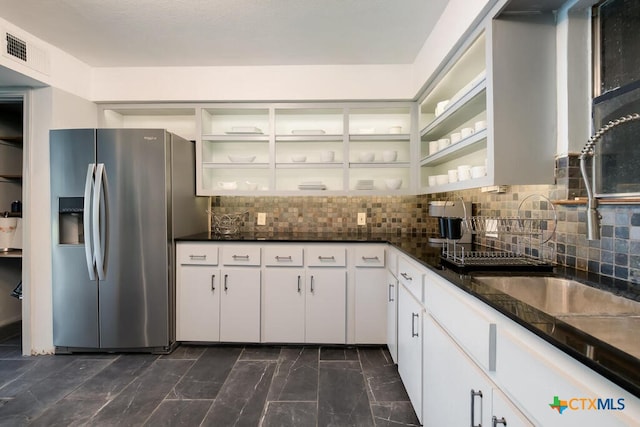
75, 294
134, 294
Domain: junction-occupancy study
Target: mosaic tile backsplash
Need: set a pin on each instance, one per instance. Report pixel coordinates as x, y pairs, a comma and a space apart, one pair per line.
616, 254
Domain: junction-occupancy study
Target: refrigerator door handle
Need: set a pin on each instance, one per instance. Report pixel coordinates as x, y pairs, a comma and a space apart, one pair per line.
101, 193
88, 252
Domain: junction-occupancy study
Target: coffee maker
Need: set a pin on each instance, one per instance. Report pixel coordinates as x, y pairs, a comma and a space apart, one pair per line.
449, 209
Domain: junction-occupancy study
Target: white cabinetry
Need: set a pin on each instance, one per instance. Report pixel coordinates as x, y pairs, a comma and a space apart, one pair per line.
410, 336
370, 294
451, 376
197, 293
240, 305
503, 76
410, 314
305, 148
392, 316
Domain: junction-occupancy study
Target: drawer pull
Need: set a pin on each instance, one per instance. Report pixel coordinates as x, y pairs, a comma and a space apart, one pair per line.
370, 258
406, 276
283, 258
326, 258
240, 257
226, 288
473, 407
198, 257
311, 284
391, 286
413, 324
495, 421
213, 282
299, 289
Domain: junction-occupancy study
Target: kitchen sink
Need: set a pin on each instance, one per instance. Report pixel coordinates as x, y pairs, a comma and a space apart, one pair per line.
562, 297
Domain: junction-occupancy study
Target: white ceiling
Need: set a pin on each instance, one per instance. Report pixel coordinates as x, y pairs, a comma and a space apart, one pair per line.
105, 33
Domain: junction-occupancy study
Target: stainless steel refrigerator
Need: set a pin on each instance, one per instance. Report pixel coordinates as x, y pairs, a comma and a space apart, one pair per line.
118, 199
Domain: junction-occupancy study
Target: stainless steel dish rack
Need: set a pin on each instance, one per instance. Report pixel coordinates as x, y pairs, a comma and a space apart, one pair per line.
525, 240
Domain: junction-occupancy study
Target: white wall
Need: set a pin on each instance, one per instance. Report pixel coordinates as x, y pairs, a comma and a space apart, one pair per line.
50, 108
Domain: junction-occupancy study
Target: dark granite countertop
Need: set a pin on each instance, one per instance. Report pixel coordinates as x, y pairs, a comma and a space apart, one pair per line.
613, 363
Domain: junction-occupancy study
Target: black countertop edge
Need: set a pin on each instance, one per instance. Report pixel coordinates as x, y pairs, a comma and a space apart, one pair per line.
614, 364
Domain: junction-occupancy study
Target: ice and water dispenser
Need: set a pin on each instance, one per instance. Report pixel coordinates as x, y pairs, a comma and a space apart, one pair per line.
450, 214
71, 220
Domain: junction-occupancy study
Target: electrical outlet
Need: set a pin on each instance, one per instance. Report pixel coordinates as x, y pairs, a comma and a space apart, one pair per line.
362, 218
262, 218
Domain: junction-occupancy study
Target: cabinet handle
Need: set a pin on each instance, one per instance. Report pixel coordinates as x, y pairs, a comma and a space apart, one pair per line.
406, 276
495, 421
213, 282
198, 257
311, 284
283, 258
370, 258
225, 282
391, 292
299, 284
473, 402
413, 324
327, 258
240, 257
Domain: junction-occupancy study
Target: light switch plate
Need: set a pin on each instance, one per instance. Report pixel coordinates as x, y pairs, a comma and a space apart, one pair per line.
362, 218
262, 218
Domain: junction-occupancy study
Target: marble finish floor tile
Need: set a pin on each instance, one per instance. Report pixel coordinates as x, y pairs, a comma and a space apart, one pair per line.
205, 385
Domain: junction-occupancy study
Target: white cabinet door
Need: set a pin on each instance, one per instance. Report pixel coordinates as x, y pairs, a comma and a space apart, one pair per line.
240, 305
197, 303
371, 305
451, 376
392, 316
283, 305
410, 314
326, 304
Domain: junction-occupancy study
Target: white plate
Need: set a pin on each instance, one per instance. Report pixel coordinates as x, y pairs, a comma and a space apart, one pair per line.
308, 132
244, 130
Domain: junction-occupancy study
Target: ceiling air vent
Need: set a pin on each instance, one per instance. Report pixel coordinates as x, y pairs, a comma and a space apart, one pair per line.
25, 52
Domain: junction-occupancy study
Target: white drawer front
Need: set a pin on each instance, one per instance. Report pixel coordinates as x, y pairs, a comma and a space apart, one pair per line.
283, 256
326, 256
197, 253
370, 256
411, 277
240, 255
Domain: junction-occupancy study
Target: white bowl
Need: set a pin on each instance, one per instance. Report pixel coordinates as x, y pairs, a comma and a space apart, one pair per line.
367, 157
389, 155
251, 186
395, 129
241, 159
298, 158
393, 183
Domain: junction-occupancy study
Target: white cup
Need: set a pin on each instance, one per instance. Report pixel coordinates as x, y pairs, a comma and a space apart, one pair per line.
442, 179
453, 175
433, 147
327, 156
480, 125
395, 129
432, 180
478, 171
389, 155
464, 172
455, 137
251, 186
441, 106
367, 157
466, 132
443, 143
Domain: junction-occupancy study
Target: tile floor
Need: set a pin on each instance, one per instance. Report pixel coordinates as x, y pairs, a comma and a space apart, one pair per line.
205, 386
